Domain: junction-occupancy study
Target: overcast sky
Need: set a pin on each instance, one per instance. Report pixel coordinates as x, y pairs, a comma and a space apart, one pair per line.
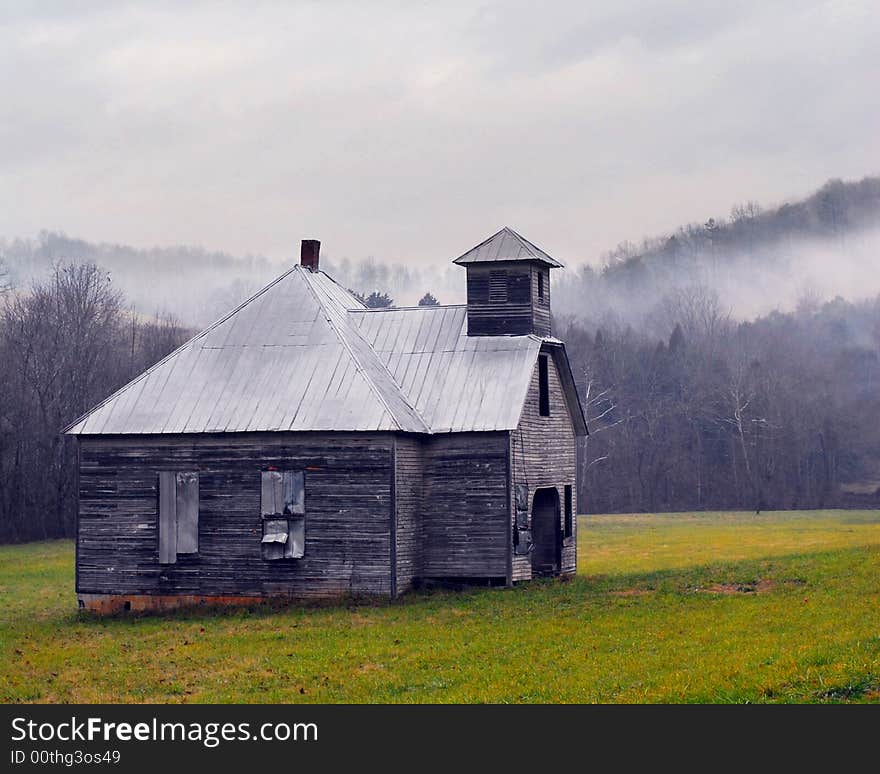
410, 131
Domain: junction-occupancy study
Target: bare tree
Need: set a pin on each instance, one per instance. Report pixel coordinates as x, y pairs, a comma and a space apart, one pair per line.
5, 283
65, 345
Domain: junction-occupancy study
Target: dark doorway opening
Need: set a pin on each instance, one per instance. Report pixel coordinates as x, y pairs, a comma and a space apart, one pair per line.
546, 533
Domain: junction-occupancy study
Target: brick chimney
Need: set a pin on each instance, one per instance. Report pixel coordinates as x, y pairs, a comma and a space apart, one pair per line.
309, 252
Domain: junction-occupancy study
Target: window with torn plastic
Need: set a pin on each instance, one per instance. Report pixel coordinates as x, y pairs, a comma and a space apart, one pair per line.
178, 515
282, 508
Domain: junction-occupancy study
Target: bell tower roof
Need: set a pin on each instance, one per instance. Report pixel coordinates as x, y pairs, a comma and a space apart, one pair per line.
506, 246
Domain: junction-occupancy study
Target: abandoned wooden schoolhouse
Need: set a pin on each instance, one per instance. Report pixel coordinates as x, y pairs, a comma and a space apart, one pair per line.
305, 446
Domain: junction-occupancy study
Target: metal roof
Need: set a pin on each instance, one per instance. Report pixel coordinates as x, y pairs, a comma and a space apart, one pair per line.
287, 359
456, 382
507, 245
304, 354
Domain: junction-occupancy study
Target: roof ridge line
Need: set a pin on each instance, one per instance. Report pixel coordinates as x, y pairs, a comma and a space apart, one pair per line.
400, 308
487, 239
535, 250
182, 347
376, 391
530, 248
345, 289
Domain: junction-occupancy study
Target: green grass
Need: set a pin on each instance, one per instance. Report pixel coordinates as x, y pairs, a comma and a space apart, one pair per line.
710, 607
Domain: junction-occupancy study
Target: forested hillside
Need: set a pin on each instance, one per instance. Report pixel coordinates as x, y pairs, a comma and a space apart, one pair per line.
732, 364
778, 412
190, 283
757, 261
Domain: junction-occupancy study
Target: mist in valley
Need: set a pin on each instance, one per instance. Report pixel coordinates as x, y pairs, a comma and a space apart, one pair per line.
754, 262
733, 363
802, 273
197, 287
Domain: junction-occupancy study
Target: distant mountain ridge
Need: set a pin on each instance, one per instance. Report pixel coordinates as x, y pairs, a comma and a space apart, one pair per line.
191, 282
837, 208
756, 260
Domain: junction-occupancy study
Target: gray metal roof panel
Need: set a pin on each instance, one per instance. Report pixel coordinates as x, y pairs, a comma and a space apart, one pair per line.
455, 382
506, 245
268, 365
304, 354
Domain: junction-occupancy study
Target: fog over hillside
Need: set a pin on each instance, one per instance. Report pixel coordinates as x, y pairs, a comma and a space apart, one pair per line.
778, 278
756, 261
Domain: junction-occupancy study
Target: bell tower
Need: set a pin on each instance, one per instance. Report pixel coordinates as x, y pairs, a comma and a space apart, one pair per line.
508, 286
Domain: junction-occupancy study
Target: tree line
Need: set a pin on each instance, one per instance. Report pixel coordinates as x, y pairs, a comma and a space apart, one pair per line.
776, 413
66, 343
835, 209
756, 260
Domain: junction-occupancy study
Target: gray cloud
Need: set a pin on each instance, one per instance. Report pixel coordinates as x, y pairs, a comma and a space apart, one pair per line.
409, 132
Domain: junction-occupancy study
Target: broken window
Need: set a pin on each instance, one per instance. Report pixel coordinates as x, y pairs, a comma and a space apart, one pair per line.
282, 507
568, 527
543, 386
178, 515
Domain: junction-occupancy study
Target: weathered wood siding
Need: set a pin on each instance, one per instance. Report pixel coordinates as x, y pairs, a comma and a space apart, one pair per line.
408, 493
491, 314
518, 310
541, 306
542, 452
465, 524
348, 501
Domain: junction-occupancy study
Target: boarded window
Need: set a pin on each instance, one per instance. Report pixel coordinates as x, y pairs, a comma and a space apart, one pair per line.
541, 285
187, 513
498, 286
568, 528
178, 515
543, 386
283, 538
282, 506
282, 492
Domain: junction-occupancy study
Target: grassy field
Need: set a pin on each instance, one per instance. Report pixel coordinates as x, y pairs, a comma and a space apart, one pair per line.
710, 607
